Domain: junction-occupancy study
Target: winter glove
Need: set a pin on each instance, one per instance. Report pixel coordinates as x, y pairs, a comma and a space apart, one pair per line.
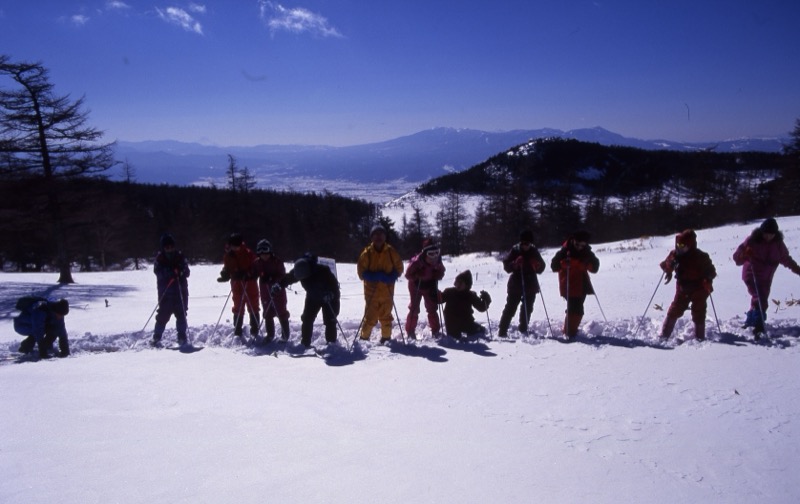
519, 263
224, 276
327, 298
370, 276
668, 276
707, 286
486, 298
381, 276
275, 289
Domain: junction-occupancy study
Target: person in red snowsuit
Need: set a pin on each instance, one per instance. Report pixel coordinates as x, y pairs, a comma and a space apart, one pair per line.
759, 255
270, 271
573, 262
238, 269
423, 273
694, 273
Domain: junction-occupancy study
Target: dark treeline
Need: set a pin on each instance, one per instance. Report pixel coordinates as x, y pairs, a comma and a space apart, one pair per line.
553, 187
109, 223
556, 186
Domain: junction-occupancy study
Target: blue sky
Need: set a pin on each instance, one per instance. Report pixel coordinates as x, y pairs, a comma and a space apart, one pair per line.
345, 72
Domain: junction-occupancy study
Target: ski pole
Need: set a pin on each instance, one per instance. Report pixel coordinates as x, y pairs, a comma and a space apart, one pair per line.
336, 318
714, 308
271, 304
158, 303
648, 305
441, 314
183, 308
251, 309
399, 325
541, 296
214, 332
600, 306
524, 298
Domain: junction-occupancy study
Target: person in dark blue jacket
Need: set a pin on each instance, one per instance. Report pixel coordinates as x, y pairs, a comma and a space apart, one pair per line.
322, 293
172, 271
42, 321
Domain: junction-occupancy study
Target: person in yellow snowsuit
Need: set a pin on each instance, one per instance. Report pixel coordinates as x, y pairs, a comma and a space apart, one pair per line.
379, 267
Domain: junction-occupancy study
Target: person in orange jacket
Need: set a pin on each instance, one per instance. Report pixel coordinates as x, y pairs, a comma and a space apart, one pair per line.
694, 273
573, 263
238, 268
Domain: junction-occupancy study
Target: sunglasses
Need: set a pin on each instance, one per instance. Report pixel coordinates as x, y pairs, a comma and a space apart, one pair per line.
680, 245
432, 253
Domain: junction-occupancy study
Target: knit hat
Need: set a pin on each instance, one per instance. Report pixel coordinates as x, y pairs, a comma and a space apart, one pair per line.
167, 240
687, 237
304, 266
263, 247
581, 236
428, 246
466, 277
377, 228
235, 240
769, 226
60, 307
526, 236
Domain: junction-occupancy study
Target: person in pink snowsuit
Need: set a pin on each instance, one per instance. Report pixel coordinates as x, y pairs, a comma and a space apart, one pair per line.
759, 256
423, 274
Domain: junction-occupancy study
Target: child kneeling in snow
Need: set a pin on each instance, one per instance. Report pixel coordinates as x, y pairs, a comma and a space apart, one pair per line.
458, 304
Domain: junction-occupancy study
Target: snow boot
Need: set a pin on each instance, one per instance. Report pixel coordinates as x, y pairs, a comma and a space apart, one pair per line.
285, 329
700, 330
27, 345
666, 329
502, 326
238, 323
269, 327
254, 324
158, 332
571, 324
330, 333
63, 348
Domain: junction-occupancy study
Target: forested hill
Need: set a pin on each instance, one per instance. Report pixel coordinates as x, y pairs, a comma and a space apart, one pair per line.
559, 184
594, 169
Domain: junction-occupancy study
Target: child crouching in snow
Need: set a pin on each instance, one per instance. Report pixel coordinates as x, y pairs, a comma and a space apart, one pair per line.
458, 304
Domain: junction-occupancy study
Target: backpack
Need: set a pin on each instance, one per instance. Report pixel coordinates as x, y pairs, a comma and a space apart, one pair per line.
23, 323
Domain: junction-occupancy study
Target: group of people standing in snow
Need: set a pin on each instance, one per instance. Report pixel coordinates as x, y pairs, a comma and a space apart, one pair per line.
258, 280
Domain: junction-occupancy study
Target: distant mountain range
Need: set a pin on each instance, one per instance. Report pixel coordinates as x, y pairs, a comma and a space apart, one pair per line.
413, 158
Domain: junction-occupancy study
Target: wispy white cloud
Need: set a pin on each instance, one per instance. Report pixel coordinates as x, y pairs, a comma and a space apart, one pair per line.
79, 19
117, 5
180, 17
200, 9
295, 20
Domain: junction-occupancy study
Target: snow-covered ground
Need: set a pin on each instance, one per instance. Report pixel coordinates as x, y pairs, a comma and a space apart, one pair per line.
611, 418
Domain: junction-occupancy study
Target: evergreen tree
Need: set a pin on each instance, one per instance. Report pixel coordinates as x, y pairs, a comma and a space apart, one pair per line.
46, 136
